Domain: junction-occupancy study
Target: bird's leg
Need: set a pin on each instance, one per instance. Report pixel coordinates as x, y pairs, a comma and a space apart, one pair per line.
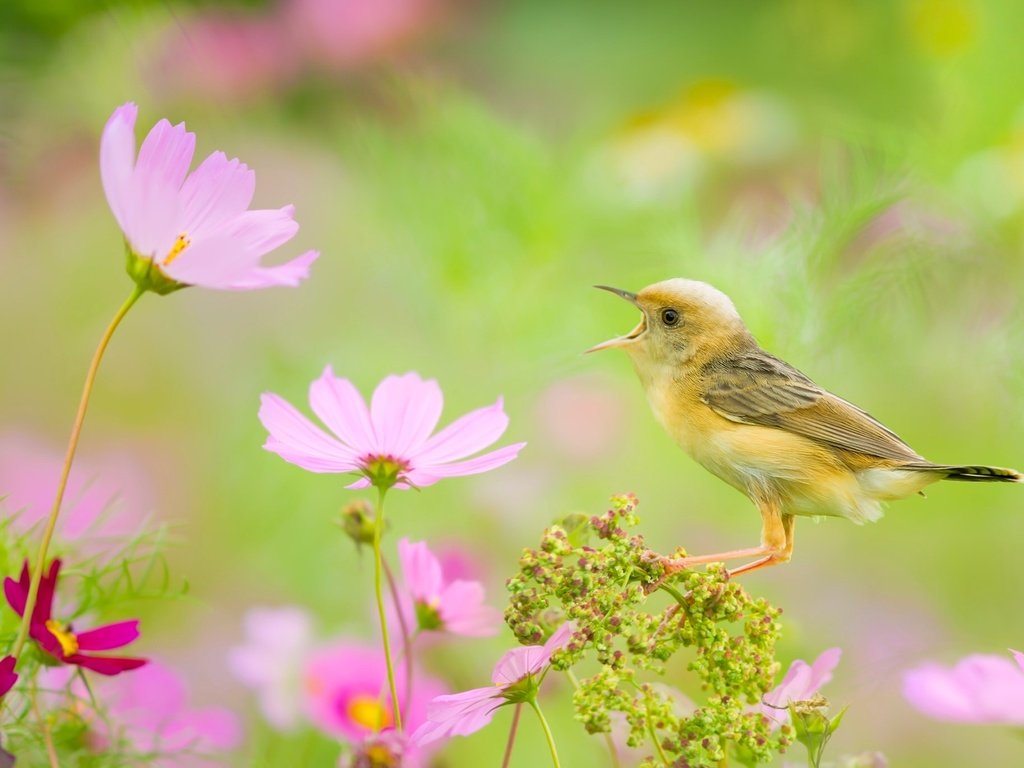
786, 525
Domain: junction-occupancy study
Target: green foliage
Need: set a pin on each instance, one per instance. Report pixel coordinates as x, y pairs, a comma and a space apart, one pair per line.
606, 589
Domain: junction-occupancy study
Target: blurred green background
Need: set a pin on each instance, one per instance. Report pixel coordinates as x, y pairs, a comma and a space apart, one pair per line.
851, 173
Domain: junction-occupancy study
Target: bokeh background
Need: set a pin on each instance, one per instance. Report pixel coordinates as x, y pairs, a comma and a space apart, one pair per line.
851, 173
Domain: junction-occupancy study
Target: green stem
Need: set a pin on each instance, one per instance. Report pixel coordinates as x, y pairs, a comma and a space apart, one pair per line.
378, 529
513, 729
547, 733
407, 637
76, 431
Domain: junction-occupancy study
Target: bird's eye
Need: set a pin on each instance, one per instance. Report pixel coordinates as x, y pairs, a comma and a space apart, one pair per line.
670, 317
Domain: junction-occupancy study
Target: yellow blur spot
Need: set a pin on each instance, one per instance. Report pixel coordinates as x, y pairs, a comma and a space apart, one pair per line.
68, 641
180, 244
942, 27
368, 712
380, 756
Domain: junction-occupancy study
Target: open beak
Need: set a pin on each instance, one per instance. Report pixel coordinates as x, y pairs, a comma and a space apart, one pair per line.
621, 341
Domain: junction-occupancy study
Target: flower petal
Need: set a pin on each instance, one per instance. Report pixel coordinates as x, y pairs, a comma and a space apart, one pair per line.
44, 600
464, 612
215, 262
216, 192
421, 571
474, 466
165, 155
458, 714
155, 216
262, 231
466, 435
338, 404
106, 665
289, 274
117, 160
297, 440
16, 592
110, 636
404, 411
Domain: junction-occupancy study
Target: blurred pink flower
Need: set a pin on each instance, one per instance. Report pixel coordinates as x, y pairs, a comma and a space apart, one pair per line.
345, 692
439, 604
341, 34
515, 678
7, 676
59, 640
390, 442
801, 682
230, 58
278, 640
149, 710
195, 229
383, 750
979, 689
29, 470
459, 561
584, 417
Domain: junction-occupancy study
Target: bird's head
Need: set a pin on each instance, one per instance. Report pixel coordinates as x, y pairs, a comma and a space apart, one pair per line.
681, 319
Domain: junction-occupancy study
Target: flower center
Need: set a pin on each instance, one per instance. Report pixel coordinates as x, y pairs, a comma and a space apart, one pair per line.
383, 470
428, 618
66, 638
368, 712
180, 244
522, 690
381, 756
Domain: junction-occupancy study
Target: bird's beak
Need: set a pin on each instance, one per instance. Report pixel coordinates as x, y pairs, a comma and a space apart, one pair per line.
621, 341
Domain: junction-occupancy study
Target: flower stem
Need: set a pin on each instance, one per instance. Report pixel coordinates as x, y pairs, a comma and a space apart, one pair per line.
76, 431
512, 735
406, 636
547, 733
378, 530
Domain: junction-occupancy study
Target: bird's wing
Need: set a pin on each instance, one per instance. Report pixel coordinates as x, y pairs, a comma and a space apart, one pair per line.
757, 388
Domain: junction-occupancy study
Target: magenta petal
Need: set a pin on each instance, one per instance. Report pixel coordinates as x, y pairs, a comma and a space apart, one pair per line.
106, 665
44, 600
404, 411
466, 435
110, 636
117, 161
16, 595
289, 274
7, 676
338, 404
474, 466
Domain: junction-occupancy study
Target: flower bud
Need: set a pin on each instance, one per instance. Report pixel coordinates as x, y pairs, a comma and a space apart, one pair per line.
148, 275
357, 520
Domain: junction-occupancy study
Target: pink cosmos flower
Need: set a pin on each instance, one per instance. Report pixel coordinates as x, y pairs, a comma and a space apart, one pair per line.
346, 693
979, 689
58, 639
516, 677
7, 675
438, 604
150, 711
389, 442
194, 229
278, 642
801, 682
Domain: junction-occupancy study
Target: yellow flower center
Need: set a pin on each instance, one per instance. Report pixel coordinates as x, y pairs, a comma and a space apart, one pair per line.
68, 641
180, 244
380, 756
368, 712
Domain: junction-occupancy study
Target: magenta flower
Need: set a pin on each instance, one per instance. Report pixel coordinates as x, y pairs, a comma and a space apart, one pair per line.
390, 442
801, 682
7, 675
979, 689
58, 639
150, 712
516, 678
346, 692
194, 228
437, 604
278, 640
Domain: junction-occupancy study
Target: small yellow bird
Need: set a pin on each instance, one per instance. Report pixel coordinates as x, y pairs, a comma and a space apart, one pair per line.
762, 426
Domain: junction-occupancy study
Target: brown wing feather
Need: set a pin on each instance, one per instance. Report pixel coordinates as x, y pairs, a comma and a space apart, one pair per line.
757, 388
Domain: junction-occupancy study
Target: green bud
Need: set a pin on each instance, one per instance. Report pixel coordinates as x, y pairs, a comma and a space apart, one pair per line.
357, 521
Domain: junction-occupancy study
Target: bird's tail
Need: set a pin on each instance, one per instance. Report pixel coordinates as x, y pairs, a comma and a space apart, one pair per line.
972, 474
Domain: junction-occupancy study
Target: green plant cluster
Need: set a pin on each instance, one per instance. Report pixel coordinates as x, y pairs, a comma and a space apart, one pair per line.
600, 575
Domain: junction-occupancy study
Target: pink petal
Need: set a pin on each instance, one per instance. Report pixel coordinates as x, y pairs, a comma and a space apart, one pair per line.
822, 668
212, 728
458, 714
299, 441
155, 215
404, 411
166, 155
215, 262
421, 571
262, 231
289, 274
519, 663
463, 610
466, 435
117, 160
216, 192
1019, 657
105, 665
979, 689
474, 466
108, 637
338, 404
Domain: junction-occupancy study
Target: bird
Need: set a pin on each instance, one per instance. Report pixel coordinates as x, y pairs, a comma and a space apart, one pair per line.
756, 422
